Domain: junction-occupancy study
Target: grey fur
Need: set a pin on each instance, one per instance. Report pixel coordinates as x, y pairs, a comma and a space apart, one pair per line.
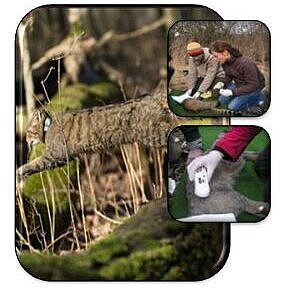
223, 197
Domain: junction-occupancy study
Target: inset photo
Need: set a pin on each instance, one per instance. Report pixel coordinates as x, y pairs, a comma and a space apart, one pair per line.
219, 68
218, 173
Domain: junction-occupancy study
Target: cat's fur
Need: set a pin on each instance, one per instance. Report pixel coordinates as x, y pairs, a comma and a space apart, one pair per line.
146, 120
198, 106
223, 198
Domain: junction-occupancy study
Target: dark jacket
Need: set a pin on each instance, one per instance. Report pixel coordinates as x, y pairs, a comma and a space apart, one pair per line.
245, 74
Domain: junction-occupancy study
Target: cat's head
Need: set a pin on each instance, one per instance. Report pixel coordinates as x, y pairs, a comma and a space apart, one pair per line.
35, 128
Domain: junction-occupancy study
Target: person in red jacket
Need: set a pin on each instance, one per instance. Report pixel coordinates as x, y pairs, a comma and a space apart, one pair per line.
230, 147
243, 79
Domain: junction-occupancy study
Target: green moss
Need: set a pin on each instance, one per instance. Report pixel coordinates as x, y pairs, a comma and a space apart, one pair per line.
45, 193
188, 257
189, 252
71, 98
80, 96
54, 181
151, 264
76, 30
149, 243
195, 254
173, 228
57, 267
105, 90
174, 274
107, 250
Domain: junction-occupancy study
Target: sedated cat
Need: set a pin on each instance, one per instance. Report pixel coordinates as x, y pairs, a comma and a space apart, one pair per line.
223, 197
146, 120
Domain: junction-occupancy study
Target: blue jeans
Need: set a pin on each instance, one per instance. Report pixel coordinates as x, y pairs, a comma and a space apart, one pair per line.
241, 103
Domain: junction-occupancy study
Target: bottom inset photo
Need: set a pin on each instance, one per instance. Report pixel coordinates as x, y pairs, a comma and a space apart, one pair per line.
219, 173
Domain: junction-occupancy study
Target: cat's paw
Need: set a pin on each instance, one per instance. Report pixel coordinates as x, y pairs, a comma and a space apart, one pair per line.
19, 181
263, 209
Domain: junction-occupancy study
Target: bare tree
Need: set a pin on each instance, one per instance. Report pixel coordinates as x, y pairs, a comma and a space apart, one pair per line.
25, 64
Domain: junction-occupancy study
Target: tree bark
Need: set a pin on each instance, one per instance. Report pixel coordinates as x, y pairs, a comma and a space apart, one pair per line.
26, 71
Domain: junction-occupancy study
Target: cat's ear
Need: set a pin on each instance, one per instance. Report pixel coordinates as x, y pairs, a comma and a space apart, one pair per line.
37, 115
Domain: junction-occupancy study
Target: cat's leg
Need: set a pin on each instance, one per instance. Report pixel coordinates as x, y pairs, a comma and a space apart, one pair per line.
39, 164
257, 208
250, 155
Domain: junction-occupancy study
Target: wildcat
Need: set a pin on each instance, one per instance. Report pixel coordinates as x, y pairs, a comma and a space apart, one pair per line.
223, 197
146, 120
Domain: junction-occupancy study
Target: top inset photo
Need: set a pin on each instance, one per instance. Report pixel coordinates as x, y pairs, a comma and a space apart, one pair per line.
219, 68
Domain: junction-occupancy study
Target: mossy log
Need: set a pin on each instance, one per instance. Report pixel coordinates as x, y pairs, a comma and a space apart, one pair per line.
148, 246
80, 96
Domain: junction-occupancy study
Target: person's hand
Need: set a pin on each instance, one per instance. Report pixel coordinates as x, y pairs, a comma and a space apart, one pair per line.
189, 92
194, 153
209, 160
226, 92
196, 95
219, 85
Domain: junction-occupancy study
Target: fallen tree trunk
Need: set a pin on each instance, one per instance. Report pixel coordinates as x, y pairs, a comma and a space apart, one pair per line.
148, 246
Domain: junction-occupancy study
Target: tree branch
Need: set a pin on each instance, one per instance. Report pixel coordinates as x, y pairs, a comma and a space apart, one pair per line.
65, 47
144, 30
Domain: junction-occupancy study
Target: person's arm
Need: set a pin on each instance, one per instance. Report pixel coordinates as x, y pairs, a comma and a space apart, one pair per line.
193, 140
192, 74
212, 67
228, 78
251, 79
229, 147
234, 142
192, 136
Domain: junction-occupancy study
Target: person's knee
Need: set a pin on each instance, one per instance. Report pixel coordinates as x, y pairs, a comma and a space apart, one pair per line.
235, 106
223, 100
261, 98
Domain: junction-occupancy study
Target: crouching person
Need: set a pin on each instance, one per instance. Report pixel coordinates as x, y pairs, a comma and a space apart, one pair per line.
205, 72
244, 79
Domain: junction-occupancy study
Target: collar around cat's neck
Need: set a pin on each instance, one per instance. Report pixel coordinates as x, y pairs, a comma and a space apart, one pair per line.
47, 123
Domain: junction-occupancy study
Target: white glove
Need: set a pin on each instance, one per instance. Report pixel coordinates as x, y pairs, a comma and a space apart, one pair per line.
196, 95
171, 185
181, 98
219, 85
226, 92
189, 92
209, 160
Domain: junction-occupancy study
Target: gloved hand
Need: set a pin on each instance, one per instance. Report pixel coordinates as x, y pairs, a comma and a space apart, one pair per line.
209, 160
226, 92
219, 85
196, 95
189, 92
194, 153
